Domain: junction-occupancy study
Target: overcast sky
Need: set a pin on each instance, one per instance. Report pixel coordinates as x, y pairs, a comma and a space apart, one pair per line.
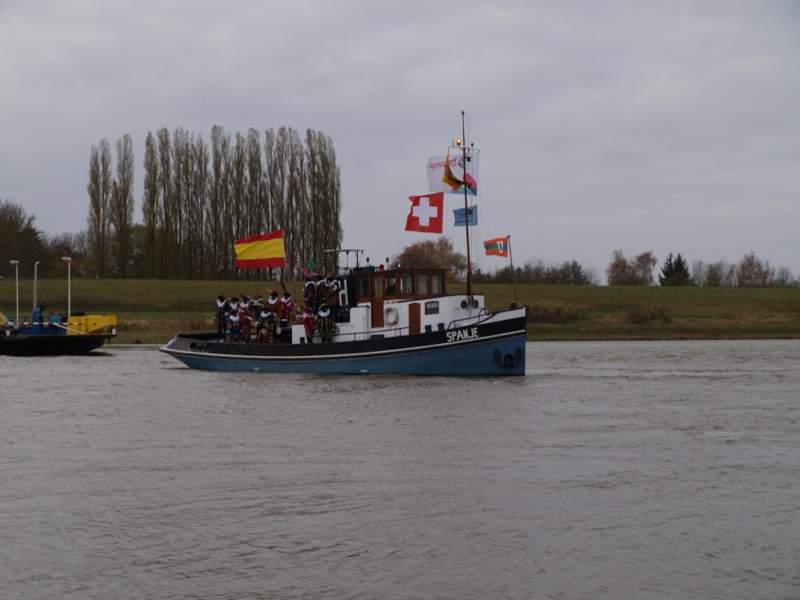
602, 125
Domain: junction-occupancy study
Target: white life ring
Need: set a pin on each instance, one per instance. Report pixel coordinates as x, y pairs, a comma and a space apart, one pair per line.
390, 315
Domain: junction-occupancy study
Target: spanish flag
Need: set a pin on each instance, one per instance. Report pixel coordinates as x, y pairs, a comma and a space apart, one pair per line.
261, 251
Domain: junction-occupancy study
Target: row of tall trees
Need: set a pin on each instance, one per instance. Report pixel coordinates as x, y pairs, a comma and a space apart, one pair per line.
200, 197
111, 207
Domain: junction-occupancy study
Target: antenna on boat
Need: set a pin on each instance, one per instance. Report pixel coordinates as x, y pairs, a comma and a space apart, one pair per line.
463, 143
346, 251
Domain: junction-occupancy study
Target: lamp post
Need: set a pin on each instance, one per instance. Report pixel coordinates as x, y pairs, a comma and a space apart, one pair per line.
68, 260
35, 285
16, 279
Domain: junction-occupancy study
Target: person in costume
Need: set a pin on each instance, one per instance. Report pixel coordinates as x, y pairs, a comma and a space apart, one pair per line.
308, 320
221, 315
325, 323
310, 293
246, 323
234, 332
266, 333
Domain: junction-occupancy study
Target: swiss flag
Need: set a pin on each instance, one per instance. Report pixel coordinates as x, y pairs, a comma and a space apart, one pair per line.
426, 213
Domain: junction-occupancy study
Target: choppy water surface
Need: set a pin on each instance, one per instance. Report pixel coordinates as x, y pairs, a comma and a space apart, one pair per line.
612, 470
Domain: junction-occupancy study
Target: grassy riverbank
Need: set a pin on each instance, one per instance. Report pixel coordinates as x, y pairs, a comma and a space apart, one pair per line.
151, 311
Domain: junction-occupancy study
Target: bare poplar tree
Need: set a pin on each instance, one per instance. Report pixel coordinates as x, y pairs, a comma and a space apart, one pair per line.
99, 189
324, 192
238, 186
122, 206
165, 210
257, 198
217, 205
197, 207
180, 177
275, 160
150, 210
298, 214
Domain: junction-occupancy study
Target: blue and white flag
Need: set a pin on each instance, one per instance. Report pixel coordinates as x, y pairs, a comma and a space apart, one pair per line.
461, 216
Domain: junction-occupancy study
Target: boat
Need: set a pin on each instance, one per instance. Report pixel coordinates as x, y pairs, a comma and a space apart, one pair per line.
415, 329
55, 334
392, 319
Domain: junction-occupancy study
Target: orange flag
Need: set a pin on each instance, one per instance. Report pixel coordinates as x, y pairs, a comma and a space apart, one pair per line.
496, 247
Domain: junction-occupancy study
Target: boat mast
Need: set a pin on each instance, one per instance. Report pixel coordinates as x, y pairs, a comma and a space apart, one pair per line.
466, 206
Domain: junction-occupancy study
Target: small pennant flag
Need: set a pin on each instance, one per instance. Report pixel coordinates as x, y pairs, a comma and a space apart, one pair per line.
496, 247
309, 271
261, 251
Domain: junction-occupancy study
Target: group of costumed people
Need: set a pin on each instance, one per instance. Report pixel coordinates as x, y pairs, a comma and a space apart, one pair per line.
244, 319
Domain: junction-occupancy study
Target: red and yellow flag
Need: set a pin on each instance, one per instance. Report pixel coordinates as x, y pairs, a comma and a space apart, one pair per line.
261, 251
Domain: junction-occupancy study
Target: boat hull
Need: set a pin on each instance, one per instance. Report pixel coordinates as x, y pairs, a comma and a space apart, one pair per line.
51, 345
491, 348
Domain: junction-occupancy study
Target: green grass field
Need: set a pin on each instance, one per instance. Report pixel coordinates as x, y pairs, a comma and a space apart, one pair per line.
151, 311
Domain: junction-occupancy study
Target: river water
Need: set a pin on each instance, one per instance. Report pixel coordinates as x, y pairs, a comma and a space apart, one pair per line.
611, 470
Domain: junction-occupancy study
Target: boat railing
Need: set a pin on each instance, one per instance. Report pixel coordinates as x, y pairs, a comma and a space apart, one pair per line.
366, 335
482, 314
65, 328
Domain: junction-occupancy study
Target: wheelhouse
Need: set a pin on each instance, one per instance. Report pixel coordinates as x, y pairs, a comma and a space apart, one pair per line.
375, 286
393, 284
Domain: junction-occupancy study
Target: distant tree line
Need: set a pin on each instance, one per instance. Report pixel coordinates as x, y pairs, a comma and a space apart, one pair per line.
200, 197
750, 271
537, 271
20, 240
440, 252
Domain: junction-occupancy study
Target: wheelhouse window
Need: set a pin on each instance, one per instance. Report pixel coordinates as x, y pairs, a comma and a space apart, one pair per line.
406, 284
363, 288
377, 287
422, 284
436, 283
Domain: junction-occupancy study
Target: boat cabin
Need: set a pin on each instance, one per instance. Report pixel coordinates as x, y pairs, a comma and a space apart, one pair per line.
375, 286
